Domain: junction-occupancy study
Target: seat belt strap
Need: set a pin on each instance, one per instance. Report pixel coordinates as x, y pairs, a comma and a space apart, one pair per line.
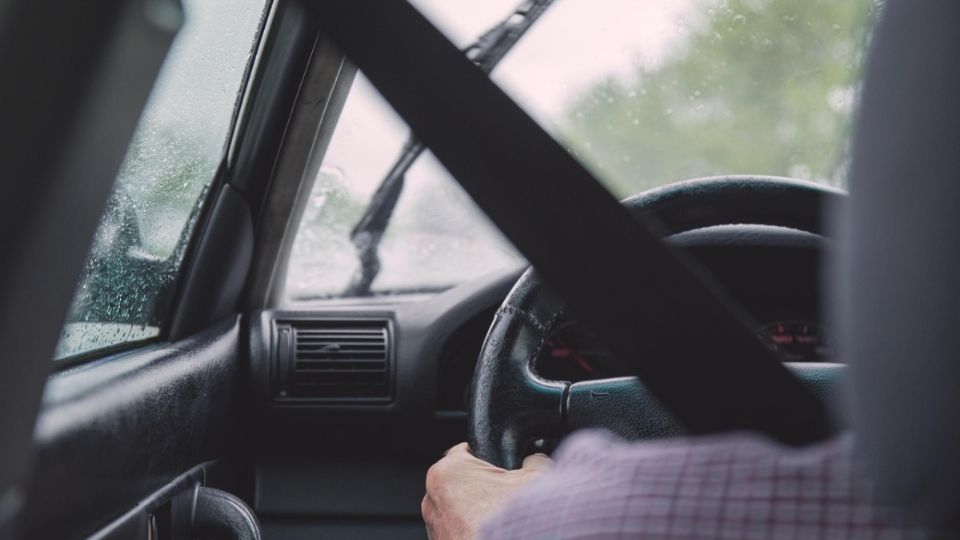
663, 317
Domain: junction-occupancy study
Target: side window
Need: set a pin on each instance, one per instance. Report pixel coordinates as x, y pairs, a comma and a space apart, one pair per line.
179, 142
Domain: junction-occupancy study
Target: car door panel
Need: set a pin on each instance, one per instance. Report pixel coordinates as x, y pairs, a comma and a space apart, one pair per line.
112, 432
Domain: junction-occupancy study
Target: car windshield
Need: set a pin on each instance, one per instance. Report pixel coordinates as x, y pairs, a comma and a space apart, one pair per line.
643, 93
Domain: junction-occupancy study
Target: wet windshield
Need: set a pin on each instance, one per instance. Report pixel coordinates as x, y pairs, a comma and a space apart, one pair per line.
643, 93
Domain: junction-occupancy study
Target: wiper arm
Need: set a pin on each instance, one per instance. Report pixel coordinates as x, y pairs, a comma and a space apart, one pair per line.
366, 235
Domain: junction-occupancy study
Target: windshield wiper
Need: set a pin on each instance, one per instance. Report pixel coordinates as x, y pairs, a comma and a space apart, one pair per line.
366, 235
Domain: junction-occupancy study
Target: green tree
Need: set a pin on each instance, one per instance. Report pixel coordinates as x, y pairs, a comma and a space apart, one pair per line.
757, 86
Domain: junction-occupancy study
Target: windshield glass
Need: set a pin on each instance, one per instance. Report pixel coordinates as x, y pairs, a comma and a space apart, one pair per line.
436, 237
643, 93
654, 92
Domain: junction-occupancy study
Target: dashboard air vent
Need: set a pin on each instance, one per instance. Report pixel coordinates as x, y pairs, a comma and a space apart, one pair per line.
339, 360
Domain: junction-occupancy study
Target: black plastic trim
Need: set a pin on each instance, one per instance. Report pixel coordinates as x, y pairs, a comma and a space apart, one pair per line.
71, 362
269, 100
277, 364
286, 52
219, 515
112, 432
324, 90
134, 522
213, 283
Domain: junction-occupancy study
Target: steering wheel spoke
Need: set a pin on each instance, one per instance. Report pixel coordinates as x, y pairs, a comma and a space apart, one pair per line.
512, 406
621, 405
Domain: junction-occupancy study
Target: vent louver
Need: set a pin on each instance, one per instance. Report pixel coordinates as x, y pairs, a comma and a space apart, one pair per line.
333, 359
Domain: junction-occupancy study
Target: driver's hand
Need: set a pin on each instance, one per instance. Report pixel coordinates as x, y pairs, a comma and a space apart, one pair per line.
462, 491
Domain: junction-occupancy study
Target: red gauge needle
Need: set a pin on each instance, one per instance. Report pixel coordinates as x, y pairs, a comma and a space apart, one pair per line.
579, 358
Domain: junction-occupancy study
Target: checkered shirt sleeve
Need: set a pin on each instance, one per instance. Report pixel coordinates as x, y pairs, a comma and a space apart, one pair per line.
736, 486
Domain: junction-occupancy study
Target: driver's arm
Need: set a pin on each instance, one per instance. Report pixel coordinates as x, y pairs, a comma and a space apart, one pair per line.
726, 486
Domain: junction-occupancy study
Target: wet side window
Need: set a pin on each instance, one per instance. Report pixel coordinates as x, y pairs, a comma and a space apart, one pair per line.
136, 254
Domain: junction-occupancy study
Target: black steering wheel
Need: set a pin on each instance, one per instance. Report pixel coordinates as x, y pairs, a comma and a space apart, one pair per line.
511, 406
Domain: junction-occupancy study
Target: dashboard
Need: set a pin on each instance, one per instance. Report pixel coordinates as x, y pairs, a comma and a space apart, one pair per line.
423, 365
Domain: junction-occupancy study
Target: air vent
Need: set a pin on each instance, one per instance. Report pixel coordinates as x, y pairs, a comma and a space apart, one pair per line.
336, 360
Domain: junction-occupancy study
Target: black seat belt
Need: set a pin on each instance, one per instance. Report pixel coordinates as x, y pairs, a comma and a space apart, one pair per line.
665, 319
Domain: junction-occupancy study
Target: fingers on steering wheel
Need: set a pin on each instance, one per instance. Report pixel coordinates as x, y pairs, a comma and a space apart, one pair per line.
458, 449
536, 462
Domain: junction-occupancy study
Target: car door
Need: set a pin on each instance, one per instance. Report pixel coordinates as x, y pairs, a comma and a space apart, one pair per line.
141, 413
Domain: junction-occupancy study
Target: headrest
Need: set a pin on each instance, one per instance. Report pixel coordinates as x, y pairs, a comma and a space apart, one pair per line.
898, 301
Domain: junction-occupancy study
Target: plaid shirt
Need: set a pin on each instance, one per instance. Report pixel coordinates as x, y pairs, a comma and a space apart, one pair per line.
737, 486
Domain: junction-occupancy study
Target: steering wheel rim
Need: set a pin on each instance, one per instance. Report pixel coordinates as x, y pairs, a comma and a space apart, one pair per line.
511, 405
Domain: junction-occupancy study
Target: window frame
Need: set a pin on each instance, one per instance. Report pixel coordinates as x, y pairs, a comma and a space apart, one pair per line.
327, 78
203, 213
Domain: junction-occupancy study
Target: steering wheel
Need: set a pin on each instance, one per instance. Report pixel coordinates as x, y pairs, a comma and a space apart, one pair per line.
511, 406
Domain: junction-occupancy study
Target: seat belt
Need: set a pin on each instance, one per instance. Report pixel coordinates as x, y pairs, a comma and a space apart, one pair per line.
662, 316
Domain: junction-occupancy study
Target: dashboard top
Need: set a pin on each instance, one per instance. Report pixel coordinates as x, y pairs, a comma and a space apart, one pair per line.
435, 340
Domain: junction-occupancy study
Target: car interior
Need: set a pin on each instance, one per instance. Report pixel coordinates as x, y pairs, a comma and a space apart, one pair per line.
266, 261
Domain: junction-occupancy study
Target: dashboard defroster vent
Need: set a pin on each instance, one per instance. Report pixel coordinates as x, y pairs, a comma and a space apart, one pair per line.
337, 360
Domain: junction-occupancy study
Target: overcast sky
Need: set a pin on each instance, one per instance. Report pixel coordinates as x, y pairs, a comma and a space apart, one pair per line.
575, 43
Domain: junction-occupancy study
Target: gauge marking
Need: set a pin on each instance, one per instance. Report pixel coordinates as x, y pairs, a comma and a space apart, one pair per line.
797, 341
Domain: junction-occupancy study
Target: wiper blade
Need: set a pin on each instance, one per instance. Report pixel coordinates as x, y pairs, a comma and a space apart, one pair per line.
367, 234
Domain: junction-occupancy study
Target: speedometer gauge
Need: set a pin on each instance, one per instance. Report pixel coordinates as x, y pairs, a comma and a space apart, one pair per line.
798, 341
574, 353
